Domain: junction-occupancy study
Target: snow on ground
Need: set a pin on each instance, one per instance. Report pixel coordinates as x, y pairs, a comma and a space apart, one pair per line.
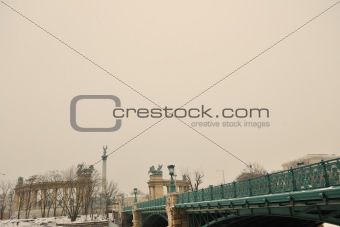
45, 222
51, 222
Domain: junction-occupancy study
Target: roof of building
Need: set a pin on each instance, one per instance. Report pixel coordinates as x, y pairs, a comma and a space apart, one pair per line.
310, 156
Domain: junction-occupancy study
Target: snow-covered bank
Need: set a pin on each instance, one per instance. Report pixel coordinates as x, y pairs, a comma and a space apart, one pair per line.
52, 222
48, 222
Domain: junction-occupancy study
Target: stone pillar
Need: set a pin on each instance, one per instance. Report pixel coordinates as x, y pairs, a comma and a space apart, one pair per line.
16, 200
176, 217
55, 196
23, 199
156, 184
35, 199
137, 217
65, 195
152, 193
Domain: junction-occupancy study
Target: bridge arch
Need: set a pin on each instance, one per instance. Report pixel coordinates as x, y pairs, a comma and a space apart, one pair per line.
262, 221
155, 220
128, 220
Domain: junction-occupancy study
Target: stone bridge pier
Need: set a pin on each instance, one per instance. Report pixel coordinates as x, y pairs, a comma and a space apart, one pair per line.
137, 216
176, 217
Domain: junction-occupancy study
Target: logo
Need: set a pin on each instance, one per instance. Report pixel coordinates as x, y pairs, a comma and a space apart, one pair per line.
251, 117
73, 113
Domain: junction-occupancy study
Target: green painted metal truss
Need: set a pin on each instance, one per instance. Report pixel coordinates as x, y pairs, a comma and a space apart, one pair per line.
148, 215
308, 192
319, 175
318, 205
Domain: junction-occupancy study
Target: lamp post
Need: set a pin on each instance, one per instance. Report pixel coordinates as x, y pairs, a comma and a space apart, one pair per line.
222, 174
135, 192
123, 202
171, 169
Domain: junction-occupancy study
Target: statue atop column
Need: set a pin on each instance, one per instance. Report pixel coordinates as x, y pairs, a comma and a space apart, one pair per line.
104, 183
104, 157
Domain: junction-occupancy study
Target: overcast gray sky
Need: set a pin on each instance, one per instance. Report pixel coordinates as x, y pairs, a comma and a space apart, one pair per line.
169, 51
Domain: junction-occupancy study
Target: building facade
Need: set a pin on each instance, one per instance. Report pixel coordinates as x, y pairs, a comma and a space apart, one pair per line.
308, 159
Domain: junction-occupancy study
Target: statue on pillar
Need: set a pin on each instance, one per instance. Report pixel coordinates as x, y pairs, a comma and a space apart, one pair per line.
80, 169
20, 180
153, 171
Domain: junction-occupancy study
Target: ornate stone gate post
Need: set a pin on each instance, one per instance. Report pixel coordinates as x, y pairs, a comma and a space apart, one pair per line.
137, 216
176, 217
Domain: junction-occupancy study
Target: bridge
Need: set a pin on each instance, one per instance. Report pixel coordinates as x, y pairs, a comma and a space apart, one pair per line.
305, 196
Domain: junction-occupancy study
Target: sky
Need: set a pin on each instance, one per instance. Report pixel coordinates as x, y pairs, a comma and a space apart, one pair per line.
216, 54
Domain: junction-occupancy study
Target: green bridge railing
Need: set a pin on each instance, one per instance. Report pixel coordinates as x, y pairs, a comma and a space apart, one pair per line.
319, 175
127, 208
314, 176
160, 202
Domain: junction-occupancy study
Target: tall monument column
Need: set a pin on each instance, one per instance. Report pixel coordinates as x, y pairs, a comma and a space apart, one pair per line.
104, 157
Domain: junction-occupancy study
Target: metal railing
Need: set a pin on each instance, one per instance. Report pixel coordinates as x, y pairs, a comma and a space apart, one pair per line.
152, 203
319, 175
160, 203
127, 208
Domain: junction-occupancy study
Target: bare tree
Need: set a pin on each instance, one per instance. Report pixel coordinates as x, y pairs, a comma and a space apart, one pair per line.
110, 195
78, 190
253, 170
72, 192
5, 188
29, 202
195, 178
54, 197
42, 197
91, 190
20, 193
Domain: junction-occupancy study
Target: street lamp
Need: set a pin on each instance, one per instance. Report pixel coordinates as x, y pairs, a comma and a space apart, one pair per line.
223, 174
135, 192
123, 205
171, 169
